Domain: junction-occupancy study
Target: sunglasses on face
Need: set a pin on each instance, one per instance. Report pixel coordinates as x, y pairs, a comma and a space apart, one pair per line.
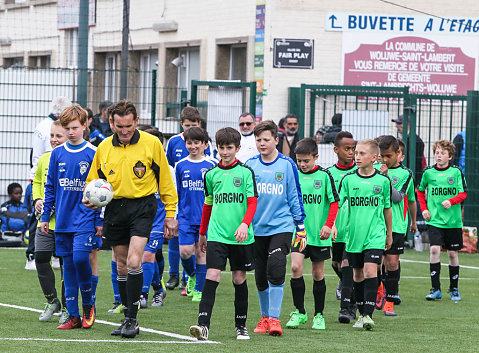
247, 124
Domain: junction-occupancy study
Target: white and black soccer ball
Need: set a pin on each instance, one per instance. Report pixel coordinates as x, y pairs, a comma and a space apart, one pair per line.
99, 192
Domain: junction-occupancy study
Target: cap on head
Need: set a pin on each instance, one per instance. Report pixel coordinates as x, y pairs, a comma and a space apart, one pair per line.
398, 120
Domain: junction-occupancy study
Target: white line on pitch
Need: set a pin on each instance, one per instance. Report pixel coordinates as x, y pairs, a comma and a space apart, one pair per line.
98, 341
334, 275
442, 264
164, 333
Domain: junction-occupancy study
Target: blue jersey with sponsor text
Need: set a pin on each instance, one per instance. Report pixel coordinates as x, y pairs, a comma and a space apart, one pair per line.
280, 204
66, 179
176, 149
190, 187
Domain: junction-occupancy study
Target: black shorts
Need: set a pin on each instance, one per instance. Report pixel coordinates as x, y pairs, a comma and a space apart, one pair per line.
125, 218
316, 253
357, 260
240, 256
397, 247
44, 241
264, 245
448, 238
338, 251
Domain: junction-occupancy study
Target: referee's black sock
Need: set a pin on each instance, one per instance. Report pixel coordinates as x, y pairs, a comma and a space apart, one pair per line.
347, 289
298, 288
207, 302
123, 293
435, 275
319, 293
453, 276
134, 285
370, 293
241, 303
392, 285
359, 294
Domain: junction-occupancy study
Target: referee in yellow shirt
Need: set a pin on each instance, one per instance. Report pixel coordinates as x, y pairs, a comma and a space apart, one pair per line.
135, 164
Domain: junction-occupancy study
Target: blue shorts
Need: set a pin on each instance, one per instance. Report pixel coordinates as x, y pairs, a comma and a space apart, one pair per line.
188, 234
97, 243
155, 242
67, 243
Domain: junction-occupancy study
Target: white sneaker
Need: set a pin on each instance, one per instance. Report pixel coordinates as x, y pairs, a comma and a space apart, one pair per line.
30, 265
56, 263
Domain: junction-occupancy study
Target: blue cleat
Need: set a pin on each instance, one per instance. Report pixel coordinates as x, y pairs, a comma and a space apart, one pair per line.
397, 300
455, 296
434, 294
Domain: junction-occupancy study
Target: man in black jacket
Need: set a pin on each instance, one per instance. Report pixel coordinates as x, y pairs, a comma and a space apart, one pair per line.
287, 141
100, 121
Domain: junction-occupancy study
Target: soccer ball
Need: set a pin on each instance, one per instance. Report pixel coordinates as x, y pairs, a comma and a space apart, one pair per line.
99, 192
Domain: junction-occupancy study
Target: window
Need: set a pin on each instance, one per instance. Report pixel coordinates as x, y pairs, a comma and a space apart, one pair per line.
13, 62
231, 62
71, 47
110, 78
40, 61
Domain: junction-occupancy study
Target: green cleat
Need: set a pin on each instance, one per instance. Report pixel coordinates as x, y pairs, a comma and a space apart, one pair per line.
64, 316
50, 309
196, 296
368, 323
116, 309
296, 319
190, 286
318, 322
359, 323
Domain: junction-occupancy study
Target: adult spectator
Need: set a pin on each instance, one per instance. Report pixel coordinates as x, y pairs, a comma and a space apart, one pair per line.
332, 131
100, 121
460, 155
95, 136
289, 138
248, 149
41, 135
420, 160
135, 164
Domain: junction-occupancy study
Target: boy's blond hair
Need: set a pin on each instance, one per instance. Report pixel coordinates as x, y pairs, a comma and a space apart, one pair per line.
72, 113
445, 145
372, 145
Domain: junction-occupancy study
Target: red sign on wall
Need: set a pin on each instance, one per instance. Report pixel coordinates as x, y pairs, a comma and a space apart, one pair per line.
417, 62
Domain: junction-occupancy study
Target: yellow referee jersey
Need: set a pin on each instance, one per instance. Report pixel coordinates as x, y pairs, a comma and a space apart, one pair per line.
136, 170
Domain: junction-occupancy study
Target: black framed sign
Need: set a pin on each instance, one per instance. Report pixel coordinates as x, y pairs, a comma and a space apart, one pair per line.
293, 53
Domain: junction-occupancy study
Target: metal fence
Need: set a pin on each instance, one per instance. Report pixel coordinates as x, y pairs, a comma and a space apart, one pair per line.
26, 94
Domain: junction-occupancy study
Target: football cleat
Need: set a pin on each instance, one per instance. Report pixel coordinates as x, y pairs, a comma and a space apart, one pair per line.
130, 329
318, 322
190, 286
50, 309
397, 300
455, 296
368, 323
200, 332
262, 326
345, 316
143, 301
183, 283
117, 331
359, 322
88, 316
64, 316
274, 327
296, 318
71, 323
196, 296
241, 333
116, 309
389, 309
172, 283
158, 298
434, 294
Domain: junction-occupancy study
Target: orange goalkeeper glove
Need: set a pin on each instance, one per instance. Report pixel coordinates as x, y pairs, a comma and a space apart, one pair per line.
299, 242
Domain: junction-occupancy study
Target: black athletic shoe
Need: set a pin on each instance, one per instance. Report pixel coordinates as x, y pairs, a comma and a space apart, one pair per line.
131, 329
172, 283
183, 283
345, 316
117, 331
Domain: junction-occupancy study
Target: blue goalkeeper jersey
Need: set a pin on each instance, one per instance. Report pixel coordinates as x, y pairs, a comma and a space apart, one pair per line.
66, 179
280, 204
190, 188
176, 149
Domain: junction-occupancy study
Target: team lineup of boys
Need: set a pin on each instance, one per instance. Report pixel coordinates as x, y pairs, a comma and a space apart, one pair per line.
304, 209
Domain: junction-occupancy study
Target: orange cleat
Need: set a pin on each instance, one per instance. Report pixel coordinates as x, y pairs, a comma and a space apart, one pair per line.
71, 323
88, 316
389, 309
262, 326
275, 327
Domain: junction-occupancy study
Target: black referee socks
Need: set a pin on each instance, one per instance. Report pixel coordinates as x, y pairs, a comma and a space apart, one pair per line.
134, 285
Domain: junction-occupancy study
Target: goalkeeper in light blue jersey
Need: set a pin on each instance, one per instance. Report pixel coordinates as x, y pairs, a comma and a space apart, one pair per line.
280, 210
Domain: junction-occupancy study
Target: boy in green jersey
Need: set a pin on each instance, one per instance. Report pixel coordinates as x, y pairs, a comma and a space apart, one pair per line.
344, 146
368, 193
230, 205
403, 200
320, 201
446, 189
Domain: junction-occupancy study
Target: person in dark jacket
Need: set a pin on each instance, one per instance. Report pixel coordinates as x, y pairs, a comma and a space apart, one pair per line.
289, 138
100, 121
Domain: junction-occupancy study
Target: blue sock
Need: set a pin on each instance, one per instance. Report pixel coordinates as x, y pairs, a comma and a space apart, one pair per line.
81, 260
71, 285
114, 282
264, 302
161, 269
275, 300
174, 256
148, 272
94, 284
189, 266
200, 277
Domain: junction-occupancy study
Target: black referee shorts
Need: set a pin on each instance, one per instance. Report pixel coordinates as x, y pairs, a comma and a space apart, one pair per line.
125, 218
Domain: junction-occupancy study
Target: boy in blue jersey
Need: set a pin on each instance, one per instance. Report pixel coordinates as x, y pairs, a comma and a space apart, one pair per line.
281, 209
189, 183
153, 263
75, 224
176, 151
